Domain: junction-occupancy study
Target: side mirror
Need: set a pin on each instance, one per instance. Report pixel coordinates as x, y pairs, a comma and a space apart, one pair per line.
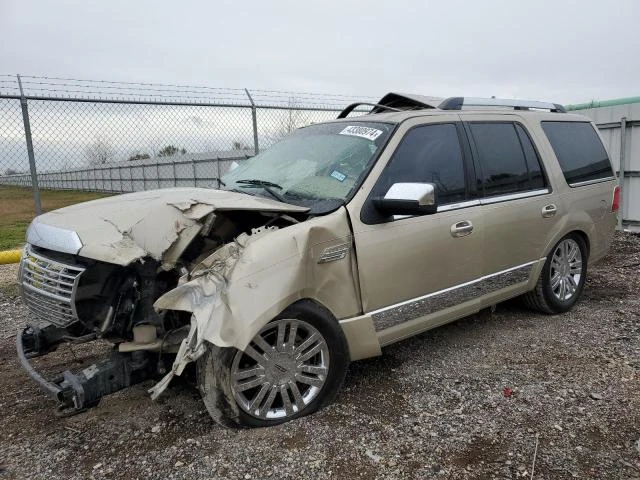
408, 199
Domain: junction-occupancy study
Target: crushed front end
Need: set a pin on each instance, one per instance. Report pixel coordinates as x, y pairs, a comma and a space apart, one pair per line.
75, 300
95, 272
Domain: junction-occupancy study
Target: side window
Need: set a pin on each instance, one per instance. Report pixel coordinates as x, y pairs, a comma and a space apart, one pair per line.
507, 160
536, 176
432, 154
579, 150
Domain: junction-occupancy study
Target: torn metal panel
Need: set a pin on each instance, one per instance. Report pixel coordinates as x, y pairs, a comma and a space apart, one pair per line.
245, 284
125, 228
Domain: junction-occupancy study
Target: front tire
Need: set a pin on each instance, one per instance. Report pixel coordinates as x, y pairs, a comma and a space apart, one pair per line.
294, 366
562, 278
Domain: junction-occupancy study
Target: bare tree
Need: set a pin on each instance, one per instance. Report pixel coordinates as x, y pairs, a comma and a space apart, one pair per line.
171, 150
238, 145
99, 152
138, 156
291, 119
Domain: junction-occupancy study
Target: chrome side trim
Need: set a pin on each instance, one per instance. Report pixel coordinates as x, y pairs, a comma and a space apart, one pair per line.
486, 201
514, 196
53, 238
410, 309
456, 206
591, 182
337, 252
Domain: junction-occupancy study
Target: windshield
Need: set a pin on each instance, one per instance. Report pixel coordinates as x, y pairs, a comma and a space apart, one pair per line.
316, 166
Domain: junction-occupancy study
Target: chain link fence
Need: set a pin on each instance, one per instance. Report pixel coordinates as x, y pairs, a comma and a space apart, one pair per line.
73, 135
60, 133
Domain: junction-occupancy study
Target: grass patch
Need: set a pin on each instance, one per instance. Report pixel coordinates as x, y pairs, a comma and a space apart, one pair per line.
17, 210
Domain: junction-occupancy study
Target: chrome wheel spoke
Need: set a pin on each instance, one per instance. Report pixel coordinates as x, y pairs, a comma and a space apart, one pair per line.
307, 343
313, 381
311, 352
555, 280
248, 373
315, 370
256, 382
291, 342
264, 346
253, 353
255, 403
286, 400
280, 342
297, 396
266, 406
572, 254
575, 268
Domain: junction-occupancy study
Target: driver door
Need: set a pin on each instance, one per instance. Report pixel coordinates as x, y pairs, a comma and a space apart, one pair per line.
417, 272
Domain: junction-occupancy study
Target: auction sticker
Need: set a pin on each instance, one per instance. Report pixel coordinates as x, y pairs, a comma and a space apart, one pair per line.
364, 132
341, 177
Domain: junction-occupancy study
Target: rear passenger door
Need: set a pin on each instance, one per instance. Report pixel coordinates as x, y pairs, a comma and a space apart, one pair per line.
518, 205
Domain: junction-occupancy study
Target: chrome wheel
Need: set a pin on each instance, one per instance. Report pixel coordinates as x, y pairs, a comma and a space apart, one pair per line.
281, 371
566, 269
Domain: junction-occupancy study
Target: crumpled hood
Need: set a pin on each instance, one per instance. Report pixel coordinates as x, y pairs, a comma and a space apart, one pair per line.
155, 223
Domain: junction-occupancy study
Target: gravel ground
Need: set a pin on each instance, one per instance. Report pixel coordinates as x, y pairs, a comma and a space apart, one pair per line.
469, 400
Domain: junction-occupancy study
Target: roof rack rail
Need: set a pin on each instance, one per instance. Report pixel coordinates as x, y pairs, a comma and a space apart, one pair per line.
349, 108
456, 103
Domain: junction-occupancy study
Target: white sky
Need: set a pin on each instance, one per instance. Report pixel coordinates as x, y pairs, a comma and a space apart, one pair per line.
562, 51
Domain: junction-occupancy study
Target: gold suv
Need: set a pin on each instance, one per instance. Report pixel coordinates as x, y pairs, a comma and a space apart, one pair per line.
344, 237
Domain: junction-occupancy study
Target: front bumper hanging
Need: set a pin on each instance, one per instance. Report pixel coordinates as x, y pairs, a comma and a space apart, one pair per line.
77, 392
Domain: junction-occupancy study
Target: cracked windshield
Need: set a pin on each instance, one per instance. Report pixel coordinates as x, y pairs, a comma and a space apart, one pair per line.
317, 166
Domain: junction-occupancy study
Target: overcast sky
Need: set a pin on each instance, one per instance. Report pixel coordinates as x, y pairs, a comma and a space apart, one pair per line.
564, 51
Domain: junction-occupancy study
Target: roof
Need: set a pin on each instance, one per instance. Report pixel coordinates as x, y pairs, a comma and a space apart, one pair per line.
398, 117
408, 102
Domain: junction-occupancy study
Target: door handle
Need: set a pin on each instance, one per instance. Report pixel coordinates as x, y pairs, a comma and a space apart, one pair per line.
549, 210
461, 229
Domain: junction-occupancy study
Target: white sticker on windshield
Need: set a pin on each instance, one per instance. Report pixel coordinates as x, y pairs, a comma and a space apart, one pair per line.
341, 177
364, 132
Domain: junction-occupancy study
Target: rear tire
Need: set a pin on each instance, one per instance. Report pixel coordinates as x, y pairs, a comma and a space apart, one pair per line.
562, 278
294, 366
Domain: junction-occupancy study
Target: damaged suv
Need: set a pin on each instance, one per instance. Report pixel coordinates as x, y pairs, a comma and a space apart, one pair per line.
342, 238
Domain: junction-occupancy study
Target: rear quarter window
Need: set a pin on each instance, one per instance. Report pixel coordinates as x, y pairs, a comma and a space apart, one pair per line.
579, 151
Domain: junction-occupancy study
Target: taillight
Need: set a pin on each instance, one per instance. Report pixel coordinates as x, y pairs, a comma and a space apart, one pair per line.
615, 205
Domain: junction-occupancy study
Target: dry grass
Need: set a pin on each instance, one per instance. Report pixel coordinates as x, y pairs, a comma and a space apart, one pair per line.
17, 210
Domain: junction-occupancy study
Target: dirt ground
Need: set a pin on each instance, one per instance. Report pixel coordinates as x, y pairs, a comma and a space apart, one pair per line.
479, 398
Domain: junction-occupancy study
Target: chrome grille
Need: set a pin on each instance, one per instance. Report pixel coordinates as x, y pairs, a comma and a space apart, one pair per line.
49, 287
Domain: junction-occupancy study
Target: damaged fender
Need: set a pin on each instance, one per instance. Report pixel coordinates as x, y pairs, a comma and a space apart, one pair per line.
242, 286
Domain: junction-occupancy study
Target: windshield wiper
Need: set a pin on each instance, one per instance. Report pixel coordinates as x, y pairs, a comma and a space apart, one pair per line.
266, 185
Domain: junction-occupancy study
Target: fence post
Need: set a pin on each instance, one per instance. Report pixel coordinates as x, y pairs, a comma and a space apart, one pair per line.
32, 159
254, 118
144, 177
623, 147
